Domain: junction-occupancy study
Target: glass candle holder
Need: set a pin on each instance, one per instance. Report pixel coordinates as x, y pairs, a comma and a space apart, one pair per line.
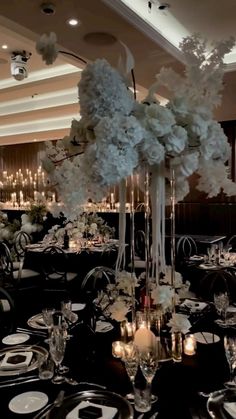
127, 331
189, 345
177, 346
117, 349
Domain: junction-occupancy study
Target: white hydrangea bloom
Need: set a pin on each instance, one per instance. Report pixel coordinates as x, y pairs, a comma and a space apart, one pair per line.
102, 92
158, 119
46, 46
151, 151
176, 141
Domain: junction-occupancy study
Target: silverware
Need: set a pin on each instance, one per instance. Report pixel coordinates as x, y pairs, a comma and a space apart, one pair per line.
31, 332
12, 384
154, 415
13, 380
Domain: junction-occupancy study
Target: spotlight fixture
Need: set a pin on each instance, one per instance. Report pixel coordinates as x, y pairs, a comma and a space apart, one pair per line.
73, 22
48, 8
4, 46
19, 64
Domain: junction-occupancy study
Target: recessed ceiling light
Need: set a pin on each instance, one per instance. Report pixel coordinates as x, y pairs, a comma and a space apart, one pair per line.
4, 46
73, 22
35, 139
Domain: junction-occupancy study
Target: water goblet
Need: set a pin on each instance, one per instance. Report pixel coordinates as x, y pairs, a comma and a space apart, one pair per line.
57, 345
149, 361
230, 352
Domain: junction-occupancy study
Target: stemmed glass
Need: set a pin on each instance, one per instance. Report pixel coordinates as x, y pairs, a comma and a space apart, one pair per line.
221, 302
130, 358
47, 314
57, 346
230, 352
148, 361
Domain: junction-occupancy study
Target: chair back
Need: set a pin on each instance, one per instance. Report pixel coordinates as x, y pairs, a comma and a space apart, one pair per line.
7, 313
231, 243
22, 239
54, 264
186, 247
140, 243
6, 265
97, 279
214, 282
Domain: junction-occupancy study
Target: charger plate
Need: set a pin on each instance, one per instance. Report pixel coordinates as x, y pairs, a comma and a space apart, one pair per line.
222, 404
37, 351
102, 397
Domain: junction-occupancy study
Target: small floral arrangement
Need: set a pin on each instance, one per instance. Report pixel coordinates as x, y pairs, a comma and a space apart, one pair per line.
87, 225
118, 299
7, 228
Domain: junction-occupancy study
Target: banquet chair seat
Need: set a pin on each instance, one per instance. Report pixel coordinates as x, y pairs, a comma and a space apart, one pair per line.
221, 280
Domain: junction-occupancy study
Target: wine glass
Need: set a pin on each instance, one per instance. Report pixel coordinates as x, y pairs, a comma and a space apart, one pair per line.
230, 352
221, 301
57, 346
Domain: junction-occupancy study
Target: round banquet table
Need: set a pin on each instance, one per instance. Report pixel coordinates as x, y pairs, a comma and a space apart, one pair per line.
80, 262
89, 358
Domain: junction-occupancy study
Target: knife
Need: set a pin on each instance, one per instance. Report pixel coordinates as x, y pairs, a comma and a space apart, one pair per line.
19, 382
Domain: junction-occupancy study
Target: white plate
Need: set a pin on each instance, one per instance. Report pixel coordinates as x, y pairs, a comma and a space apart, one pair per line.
206, 338
77, 306
28, 402
36, 322
103, 327
15, 338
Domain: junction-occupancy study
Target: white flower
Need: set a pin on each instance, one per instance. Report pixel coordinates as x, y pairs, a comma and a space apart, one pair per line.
158, 119
179, 323
163, 295
46, 46
178, 282
102, 92
151, 151
175, 142
118, 310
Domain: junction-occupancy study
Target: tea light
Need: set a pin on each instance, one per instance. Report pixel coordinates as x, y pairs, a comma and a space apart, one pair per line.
117, 349
189, 345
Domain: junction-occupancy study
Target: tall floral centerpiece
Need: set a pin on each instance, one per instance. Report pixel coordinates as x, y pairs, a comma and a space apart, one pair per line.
116, 136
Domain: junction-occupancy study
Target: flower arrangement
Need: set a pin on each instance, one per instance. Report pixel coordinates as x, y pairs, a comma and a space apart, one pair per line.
118, 135
117, 300
7, 228
87, 225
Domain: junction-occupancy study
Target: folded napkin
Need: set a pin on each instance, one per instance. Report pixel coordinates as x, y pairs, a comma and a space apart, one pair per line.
193, 305
15, 360
206, 337
107, 411
230, 408
4, 306
103, 327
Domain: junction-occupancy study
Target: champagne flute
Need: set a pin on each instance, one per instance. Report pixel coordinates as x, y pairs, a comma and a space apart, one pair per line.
57, 345
221, 302
130, 358
230, 352
47, 314
148, 361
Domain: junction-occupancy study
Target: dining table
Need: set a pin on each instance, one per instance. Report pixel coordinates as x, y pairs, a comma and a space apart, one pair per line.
79, 259
179, 386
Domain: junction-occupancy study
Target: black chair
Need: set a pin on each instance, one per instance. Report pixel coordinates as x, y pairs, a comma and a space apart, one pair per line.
23, 284
96, 280
186, 247
7, 313
57, 280
21, 241
231, 243
217, 281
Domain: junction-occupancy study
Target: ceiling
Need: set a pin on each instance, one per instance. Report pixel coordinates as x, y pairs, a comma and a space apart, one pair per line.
41, 106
